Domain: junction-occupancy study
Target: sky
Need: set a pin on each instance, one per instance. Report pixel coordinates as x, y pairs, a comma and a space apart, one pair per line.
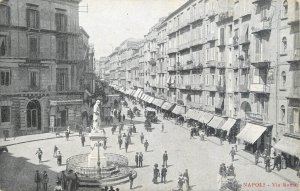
110, 22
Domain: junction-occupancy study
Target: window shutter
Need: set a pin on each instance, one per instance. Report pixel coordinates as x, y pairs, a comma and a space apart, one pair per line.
66, 23
28, 17
8, 15
290, 115
297, 41
37, 19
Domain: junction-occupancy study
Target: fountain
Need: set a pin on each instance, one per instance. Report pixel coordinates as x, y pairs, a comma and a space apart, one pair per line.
98, 168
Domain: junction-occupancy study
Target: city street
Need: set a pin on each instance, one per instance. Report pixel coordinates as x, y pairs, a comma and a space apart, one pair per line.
202, 159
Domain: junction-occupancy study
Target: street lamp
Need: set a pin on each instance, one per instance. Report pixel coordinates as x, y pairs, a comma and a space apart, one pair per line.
98, 161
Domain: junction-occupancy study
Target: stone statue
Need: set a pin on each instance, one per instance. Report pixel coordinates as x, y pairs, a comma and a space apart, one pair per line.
96, 116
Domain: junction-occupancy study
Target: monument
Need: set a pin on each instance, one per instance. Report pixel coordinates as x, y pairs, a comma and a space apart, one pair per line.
97, 137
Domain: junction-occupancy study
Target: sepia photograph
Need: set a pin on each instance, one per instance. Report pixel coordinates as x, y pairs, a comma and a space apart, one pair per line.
149, 95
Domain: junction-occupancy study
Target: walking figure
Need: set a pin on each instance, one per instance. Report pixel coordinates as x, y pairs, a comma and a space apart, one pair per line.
146, 144
67, 135
126, 145
59, 158
45, 180
163, 174
141, 159
142, 138
162, 127
120, 143
55, 151
37, 180
232, 153
39, 152
256, 157
165, 159
156, 174
268, 164
131, 179
82, 140
137, 159
187, 179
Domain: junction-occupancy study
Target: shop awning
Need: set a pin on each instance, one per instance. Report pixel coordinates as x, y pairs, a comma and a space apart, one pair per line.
140, 94
145, 97
137, 93
251, 132
228, 124
129, 91
179, 110
189, 114
216, 122
158, 102
289, 145
167, 105
205, 117
150, 99
66, 102
133, 92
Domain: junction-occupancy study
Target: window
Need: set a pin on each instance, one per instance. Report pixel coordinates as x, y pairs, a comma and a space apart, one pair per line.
207, 80
5, 114
207, 99
33, 47
33, 79
61, 22
4, 77
264, 13
62, 48
3, 45
284, 45
4, 14
213, 80
285, 8
33, 17
62, 79
282, 113
283, 79
213, 100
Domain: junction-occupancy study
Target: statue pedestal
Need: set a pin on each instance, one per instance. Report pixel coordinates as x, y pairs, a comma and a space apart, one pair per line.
97, 137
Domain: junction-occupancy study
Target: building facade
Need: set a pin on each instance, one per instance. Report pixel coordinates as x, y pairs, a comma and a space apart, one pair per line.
41, 64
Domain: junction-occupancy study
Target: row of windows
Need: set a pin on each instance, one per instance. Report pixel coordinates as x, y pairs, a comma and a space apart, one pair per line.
33, 17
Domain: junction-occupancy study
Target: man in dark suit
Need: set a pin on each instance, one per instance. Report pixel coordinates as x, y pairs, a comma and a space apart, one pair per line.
141, 159
137, 159
163, 174
165, 159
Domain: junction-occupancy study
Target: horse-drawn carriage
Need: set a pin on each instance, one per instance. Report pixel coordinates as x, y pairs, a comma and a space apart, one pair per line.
151, 114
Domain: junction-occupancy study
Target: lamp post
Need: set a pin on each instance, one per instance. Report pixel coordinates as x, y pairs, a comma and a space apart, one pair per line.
98, 161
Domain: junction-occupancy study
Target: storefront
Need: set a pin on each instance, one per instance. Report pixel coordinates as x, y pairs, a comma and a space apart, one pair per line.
255, 137
230, 128
215, 126
290, 148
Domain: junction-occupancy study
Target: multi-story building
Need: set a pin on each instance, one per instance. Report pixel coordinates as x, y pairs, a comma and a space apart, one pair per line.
41, 64
232, 58
100, 67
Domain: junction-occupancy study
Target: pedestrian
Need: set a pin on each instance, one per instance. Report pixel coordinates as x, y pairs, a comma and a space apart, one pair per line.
58, 187
63, 180
221, 140
222, 170
192, 133
80, 131
146, 145
133, 128
104, 143
131, 179
187, 179
165, 159
283, 162
141, 158
163, 174
126, 145
82, 140
142, 137
59, 158
123, 117
256, 157
67, 135
39, 152
120, 142
37, 180
277, 162
137, 159
180, 182
268, 164
55, 151
45, 180
156, 174
162, 127
232, 153
230, 170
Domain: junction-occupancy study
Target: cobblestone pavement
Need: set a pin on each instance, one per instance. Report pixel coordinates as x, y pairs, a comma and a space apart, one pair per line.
201, 158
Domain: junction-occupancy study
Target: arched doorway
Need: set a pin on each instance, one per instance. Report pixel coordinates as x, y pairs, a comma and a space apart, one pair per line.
245, 108
34, 115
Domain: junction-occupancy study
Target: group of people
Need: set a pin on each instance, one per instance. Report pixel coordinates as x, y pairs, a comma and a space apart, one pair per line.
279, 161
162, 174
183, 179
57, 154
41, 180
67, 181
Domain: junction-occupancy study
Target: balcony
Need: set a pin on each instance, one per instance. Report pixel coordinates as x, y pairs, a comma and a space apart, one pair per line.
172, 30
184, 46
263, 26
244, 88
171, 68
172, 50
221, 88
244, 64
293, 56
235, 41
196, 66
211, 37
221, 64
260, 88
256, 117
153, 49
244, 40
211, 13
293, 16
183, 25
225, 15
160, 55
197, 42
212, 88
197, 86
221, 42
211, 63
260, 61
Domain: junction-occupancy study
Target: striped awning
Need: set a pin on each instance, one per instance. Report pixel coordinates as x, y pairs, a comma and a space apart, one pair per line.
150, 99
132, 93
251, 132
179, 110
141, 94
138, 91
167, 105
145, 97
158, 102
228, 124
216, 122
205, 117
289, 145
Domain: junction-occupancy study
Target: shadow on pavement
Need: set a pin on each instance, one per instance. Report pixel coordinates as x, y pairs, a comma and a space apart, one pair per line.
136, 187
